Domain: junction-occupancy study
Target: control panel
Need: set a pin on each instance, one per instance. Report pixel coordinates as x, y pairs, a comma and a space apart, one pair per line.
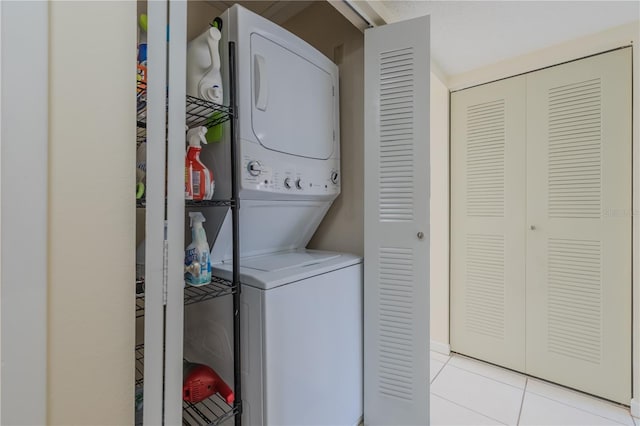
267, 171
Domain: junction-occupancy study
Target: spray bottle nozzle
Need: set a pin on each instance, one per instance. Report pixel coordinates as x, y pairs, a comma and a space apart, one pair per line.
196, 136
196, 217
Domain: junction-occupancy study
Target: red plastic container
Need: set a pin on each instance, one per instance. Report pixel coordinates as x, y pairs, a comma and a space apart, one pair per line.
200, 382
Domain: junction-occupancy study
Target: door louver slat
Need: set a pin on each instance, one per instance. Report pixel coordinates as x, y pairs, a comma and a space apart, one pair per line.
574, 150
485, 159
396, 127
574, 291
485, 285
396, 312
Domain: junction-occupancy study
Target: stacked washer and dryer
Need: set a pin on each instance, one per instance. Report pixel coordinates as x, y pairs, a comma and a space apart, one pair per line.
301, 309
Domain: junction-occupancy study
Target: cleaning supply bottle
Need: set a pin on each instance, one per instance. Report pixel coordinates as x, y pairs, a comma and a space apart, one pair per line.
199, 183
197, 259
210, 86
201, 381
141, 77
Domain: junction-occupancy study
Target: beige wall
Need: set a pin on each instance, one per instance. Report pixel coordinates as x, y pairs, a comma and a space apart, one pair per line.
199, 15
439, 215
342, 229
91, 213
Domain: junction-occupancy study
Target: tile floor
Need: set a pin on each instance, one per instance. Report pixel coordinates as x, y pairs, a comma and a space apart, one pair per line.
469, 392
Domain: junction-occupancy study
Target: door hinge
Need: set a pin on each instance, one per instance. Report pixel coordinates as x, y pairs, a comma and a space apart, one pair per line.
333, 91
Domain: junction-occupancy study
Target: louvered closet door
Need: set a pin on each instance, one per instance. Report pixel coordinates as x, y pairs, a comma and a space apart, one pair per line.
396, 223
487, 222
579, 225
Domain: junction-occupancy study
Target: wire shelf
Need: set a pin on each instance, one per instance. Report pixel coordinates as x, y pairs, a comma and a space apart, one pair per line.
141, 132
218, 287
139, 290
211, 411
215, 410
141, 113
209, 203
192, 294
139, 365
142, 203
208, 114
198, 113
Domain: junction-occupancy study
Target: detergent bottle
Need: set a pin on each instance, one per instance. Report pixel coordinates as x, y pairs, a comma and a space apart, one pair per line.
197, 259
204, 78
199, 184
210, 87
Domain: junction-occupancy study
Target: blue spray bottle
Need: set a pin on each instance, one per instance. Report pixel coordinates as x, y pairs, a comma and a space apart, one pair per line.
197, 259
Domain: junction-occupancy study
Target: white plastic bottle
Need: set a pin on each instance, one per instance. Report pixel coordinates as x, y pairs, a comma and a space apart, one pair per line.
197, 259
210, 86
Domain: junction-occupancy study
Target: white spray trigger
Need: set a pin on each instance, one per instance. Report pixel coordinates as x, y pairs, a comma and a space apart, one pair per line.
196, 217
196, 136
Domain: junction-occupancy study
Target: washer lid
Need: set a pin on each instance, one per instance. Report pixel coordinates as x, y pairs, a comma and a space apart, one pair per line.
289, 260
278, 269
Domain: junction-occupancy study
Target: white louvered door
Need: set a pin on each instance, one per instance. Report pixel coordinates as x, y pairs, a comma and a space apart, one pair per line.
541, 224
396, 268
488, 218
579, 204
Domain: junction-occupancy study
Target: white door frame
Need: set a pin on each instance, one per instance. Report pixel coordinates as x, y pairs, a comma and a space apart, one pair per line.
25, 132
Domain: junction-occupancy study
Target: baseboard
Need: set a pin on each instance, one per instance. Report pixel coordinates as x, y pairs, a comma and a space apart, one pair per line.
441, 348
635, 408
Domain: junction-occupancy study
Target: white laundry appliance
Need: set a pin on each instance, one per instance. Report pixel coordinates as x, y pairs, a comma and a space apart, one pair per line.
301, 309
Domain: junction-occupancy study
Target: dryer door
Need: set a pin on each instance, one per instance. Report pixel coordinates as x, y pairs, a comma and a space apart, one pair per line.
293, 101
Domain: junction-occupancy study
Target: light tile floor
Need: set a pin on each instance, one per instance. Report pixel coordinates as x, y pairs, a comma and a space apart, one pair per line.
469, 392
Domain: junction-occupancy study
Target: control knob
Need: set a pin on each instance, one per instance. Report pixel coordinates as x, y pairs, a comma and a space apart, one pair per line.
254, 168
334, 177
299, 183
287, 183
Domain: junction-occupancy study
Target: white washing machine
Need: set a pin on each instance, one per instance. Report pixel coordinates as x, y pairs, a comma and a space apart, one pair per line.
301, 309
301, 338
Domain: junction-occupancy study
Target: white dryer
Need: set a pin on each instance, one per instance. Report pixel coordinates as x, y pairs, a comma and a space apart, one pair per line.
301, 309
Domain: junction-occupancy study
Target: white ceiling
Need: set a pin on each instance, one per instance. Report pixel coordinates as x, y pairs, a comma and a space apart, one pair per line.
469, 34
